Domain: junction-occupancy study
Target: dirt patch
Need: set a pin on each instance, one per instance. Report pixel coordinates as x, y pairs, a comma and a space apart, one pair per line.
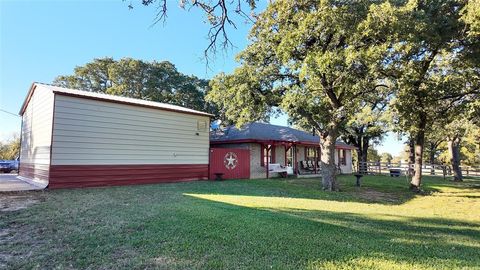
377, 196
14, 201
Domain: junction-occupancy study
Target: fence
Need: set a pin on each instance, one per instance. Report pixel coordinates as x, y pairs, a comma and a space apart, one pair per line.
427, 169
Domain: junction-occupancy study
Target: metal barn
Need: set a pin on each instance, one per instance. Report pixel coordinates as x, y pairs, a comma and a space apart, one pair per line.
73, 138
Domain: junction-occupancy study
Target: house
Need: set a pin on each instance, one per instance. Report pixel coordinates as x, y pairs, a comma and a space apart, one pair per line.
271, 144
73, 138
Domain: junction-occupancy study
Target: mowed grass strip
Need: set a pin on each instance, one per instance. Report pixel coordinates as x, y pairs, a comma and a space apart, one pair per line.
248, 224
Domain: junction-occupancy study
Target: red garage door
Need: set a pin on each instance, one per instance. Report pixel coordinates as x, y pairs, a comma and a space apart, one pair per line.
233, 163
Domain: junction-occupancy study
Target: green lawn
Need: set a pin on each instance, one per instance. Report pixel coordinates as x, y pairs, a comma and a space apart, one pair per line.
254, 224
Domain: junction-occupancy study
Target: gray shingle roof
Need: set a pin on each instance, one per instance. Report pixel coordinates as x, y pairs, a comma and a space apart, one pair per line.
266, 132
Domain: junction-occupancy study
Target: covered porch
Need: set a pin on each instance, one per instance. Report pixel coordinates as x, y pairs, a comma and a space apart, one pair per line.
300, 159
280, 151
296, 158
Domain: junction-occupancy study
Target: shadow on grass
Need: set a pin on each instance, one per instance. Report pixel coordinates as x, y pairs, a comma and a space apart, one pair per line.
374, 189
306, 238
157, 226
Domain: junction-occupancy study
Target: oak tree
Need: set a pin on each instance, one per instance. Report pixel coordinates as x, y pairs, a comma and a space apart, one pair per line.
312, 60
431, 58
155, 81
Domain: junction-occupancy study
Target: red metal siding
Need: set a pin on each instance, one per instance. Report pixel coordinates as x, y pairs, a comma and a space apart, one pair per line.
68, 176
232, 162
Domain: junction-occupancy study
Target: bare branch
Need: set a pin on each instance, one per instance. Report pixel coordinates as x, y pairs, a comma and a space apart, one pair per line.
218, 17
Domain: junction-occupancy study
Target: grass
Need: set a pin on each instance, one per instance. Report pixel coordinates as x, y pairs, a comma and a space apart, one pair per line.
254, 224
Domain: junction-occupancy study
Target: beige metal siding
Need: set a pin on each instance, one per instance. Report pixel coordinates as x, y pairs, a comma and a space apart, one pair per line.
97, 132
36, 134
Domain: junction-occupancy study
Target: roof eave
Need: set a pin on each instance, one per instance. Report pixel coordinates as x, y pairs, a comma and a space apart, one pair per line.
132, 104
27, 99
340, 146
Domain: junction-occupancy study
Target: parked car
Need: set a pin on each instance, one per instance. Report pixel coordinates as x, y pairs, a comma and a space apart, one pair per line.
15, 164
8, 166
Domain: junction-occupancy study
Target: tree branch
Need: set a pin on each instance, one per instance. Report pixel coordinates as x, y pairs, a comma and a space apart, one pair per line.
217, 13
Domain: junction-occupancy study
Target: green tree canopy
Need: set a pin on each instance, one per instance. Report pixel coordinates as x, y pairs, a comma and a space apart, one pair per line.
10, 149
432, 60
312, 60
386, 157
155, 81
373, 155
471, 17
367, 127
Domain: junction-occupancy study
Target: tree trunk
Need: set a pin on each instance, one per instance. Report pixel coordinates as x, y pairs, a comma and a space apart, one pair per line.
411, 156
327, 146
419, 146
454, 148
365, 145
359, 161
432, 158
362, 152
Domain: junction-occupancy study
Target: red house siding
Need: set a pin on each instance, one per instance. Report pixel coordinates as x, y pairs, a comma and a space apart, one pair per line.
69, 176
241, 170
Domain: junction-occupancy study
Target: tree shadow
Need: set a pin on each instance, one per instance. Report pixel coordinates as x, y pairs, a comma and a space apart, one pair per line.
159, 226
374, 190
308, 238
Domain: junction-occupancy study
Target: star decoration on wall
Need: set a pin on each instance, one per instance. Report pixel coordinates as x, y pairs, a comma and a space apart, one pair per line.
230, 161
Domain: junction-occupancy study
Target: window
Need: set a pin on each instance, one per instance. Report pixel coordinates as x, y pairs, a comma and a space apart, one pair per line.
342, 159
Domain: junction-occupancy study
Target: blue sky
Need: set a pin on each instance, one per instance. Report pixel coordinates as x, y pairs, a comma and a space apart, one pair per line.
40, 40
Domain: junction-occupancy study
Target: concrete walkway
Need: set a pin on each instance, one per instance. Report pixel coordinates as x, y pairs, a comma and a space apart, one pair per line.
13, 182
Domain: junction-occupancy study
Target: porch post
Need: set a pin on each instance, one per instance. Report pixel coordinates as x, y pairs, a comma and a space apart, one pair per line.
315, 159
267, 148
295, 160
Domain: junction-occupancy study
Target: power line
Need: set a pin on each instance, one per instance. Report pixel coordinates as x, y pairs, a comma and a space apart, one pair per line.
9, 113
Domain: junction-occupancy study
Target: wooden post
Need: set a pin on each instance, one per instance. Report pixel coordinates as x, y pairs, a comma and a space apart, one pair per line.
294, 161
266, 156
289, 147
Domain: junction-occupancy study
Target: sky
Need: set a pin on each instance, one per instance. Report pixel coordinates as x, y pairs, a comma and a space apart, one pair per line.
40, 40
